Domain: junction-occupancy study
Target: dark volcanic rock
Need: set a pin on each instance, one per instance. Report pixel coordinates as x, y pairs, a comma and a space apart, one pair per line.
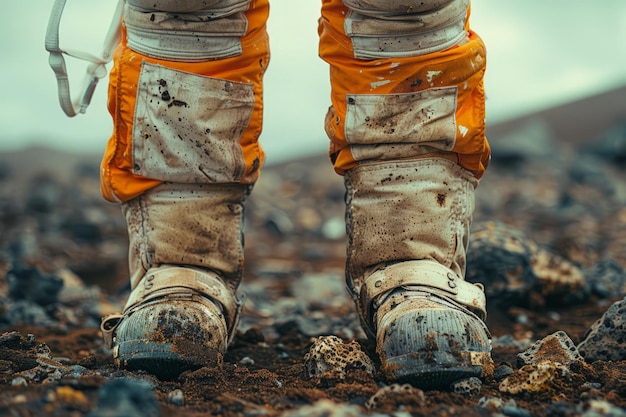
29, 283
606, 340
126, 397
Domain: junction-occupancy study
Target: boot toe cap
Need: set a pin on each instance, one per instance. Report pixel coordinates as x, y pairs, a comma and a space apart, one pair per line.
168, 337
431, 345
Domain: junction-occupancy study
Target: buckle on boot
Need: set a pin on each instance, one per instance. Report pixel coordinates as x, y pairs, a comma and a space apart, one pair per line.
167, 281
427, 275
108, 326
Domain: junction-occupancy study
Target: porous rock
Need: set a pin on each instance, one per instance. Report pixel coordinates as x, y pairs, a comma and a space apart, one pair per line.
557, 347
606, 339
330, 356
467, 386
534, 378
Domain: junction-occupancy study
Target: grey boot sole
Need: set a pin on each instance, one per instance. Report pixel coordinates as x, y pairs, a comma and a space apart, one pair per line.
421, 372
431, 346
162, 360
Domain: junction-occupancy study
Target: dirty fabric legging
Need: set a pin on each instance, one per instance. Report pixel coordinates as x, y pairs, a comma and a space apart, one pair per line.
186, 91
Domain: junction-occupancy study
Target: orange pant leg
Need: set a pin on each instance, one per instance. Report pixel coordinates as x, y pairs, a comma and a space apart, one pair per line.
182, 147
395, 107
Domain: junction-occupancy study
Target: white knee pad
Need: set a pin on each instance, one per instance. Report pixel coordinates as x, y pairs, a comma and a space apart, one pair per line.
401, 28
186, 30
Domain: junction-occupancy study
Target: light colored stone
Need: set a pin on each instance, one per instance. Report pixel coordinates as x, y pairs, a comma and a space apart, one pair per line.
396, 391
601, 408
534, 378
326, 408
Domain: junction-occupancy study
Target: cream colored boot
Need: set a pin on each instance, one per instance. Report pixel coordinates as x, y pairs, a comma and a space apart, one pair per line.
408, 225
186, 262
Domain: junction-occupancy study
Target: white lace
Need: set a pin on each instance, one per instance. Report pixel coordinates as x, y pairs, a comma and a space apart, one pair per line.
95, 71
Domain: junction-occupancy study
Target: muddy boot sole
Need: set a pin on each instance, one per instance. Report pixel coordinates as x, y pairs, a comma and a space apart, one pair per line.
165, 360
421, 372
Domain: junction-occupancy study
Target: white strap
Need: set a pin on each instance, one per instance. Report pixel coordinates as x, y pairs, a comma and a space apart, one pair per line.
95, 71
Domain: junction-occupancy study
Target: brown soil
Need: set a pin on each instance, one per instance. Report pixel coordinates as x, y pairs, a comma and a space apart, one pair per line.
263, 372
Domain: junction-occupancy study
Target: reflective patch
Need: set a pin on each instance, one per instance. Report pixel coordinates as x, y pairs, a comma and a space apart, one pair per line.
390, 126
187, 127
394, 7
190, 36
393, 31
181, 6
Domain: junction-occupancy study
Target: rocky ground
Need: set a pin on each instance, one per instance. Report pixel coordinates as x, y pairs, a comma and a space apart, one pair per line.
549, 243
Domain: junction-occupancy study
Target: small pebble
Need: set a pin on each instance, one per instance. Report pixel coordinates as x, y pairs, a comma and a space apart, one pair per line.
467, 386
20, 399
19, 382
126, 397
246, 361
78, 370
502, 372
176, 397
607, 279
554, 316
601, 408
592, 385
326, 407
514, 411
334, 228
492, 402
396, 392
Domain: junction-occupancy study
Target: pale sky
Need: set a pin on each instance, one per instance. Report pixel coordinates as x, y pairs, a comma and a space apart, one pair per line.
539, 53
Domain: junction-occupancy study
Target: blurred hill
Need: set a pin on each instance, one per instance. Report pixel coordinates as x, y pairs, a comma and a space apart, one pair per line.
576, 122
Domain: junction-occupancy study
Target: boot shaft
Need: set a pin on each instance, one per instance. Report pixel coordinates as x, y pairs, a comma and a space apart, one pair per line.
408, 226
407, 210
186, 250
196, 225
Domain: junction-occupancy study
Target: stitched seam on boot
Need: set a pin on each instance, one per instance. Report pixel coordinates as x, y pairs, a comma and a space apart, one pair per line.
145, 249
